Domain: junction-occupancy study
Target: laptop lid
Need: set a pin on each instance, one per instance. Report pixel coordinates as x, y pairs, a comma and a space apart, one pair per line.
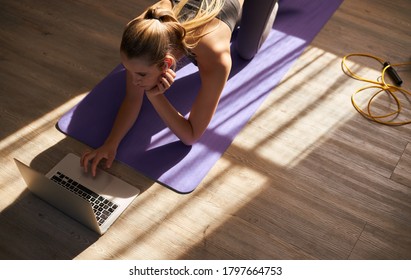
67, 202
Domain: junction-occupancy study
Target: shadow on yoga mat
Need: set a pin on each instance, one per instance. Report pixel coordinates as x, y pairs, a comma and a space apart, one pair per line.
152, 149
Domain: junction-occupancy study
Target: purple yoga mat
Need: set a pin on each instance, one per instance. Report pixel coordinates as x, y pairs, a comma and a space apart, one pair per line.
152, 149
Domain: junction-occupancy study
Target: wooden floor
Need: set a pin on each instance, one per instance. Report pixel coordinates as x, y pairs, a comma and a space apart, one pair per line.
308, 178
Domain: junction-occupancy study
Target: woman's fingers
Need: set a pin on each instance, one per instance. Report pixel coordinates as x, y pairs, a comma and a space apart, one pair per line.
95, 163
164, 83
85, 158
168, 79
93, 159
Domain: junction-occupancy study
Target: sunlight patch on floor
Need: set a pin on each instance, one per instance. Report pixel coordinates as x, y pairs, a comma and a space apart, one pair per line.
296, 119
196, 215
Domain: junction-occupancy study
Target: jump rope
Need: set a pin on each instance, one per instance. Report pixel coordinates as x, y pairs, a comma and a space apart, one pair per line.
379, 86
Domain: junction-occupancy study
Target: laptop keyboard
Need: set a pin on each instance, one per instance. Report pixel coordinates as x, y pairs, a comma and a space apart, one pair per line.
102, 207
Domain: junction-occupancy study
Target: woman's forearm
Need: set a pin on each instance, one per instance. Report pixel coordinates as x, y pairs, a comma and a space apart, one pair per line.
126, 117
179, 125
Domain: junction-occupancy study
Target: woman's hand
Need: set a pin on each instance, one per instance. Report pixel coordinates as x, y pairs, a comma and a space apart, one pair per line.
164, 83
107, 152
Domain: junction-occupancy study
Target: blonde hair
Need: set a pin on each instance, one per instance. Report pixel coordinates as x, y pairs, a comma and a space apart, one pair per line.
160, 31
208, 10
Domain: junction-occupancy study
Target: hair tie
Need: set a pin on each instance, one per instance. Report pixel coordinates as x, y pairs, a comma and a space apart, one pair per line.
152, 14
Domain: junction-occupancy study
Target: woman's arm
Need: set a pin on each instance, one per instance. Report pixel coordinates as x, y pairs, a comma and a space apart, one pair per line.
213, 78
128, 112
126, 116
214, 63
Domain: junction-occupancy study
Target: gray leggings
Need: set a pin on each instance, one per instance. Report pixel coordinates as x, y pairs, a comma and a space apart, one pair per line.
257, 19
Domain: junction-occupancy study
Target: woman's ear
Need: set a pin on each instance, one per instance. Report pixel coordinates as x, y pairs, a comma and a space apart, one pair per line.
169, 62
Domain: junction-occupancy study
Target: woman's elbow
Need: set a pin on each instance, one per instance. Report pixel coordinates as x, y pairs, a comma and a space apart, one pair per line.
191, 135
189, 141
191, 138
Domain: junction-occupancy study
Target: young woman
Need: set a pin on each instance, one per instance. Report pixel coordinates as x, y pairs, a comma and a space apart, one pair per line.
151, 45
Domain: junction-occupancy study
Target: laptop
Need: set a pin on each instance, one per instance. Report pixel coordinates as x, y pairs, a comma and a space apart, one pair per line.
96, 202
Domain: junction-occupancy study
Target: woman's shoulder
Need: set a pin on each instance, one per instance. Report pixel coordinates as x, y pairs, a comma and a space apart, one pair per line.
215, 44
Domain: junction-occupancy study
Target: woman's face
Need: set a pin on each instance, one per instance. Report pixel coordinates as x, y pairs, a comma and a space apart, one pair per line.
143, 75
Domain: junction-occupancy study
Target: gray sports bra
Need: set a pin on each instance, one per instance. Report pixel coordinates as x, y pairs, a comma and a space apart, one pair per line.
229, 14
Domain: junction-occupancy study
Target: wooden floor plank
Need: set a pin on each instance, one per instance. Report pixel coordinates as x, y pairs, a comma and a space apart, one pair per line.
382, 244
402, 172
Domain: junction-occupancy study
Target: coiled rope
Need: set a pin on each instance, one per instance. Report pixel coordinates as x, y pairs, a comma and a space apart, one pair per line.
380, 87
